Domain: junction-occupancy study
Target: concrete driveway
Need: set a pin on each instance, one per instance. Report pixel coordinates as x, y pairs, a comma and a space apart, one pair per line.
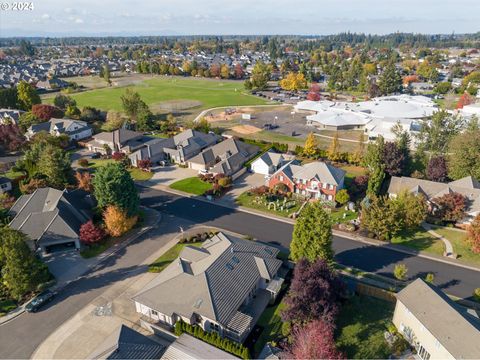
244, 183
170, 174
67, 265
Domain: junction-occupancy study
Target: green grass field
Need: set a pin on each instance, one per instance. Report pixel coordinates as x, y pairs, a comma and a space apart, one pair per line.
460, 245
360, 327
137, 174
210, 93
192, 185
420, 240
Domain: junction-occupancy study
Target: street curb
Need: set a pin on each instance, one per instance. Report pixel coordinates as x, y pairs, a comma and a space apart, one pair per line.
92, 267
343, 234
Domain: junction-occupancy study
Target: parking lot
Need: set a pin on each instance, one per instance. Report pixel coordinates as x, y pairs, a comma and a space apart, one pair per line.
281, 121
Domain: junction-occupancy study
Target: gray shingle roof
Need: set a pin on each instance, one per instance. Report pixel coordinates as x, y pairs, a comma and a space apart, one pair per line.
323, 172
126, 343
188, 347
228, 156
452, 326
468, 187
212, 281
47, 212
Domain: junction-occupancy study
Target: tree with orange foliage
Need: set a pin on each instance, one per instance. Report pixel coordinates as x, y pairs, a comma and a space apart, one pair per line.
464, 100
473, 235
84, 180
407, 80
117, 221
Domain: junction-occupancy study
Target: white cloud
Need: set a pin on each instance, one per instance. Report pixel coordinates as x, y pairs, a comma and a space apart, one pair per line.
45, 16
78, 21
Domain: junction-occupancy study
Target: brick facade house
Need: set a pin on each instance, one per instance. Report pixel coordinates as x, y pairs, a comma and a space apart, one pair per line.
316, 180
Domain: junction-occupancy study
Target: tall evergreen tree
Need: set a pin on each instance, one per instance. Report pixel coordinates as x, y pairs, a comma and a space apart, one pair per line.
312, 235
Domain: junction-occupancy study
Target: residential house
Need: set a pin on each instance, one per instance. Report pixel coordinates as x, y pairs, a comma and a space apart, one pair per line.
186, 347
126, 343
316, 180
468, 187
52, 84
75, 129
5, 185
121, 140
269, 162
8, 116
51, 218
222, 286
436, 326
178, 148
226, 157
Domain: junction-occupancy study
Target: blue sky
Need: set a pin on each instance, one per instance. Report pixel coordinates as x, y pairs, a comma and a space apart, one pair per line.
184, 17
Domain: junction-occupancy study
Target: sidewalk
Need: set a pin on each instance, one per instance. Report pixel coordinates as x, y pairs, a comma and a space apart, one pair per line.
87, 265
83, 333
448, 245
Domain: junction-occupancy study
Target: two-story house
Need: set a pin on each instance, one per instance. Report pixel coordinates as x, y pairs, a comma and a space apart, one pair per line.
269, 162
226, 157
222, 286
316, 180
178, 148
75, 129
437, 327
121, 140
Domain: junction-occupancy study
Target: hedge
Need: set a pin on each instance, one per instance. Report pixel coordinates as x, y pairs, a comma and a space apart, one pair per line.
212, 338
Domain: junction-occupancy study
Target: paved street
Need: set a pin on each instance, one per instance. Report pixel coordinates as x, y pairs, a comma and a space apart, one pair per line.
454, 280
21, 336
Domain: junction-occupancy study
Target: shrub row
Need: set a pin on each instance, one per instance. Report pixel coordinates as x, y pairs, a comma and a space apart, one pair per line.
212, 338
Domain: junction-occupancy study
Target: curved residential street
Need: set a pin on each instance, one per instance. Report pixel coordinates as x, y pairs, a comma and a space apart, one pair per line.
20, 337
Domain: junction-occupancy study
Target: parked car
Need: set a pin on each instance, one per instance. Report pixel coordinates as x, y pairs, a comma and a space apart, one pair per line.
203, 172
96, 155
39, 300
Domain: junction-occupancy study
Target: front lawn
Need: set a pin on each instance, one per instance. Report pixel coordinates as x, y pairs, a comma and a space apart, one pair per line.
136, 173
261, 202
337, 215
460, 244
192, 185
419, 239
166, 259
361, 325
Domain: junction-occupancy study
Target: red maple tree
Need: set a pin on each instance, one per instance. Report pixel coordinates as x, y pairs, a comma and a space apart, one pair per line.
90, 233
45, 112
315, 341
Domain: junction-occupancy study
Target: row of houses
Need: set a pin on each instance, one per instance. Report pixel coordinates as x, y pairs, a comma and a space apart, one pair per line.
197, 150
46, 74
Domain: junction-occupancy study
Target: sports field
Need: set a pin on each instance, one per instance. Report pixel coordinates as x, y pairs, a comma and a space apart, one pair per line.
184, 96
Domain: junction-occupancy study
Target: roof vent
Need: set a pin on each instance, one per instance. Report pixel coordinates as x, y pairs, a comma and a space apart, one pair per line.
198, 303
229, 266
235, 260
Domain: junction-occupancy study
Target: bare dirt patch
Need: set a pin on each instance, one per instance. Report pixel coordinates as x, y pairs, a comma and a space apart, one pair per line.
175, 105
246, 129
